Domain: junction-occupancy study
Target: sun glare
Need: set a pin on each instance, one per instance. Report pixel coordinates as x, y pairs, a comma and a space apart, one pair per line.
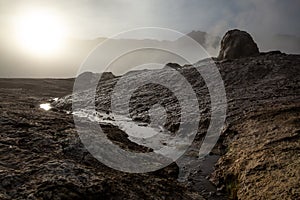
40, 33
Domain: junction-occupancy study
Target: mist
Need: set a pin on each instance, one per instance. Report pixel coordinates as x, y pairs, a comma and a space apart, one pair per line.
274, 25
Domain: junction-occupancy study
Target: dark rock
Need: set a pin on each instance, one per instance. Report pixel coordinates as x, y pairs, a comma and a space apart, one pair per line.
271, 53
170, 171
173, 65
120, 138
237, 44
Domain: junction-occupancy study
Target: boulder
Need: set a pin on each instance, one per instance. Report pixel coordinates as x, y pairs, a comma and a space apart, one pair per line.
237, 44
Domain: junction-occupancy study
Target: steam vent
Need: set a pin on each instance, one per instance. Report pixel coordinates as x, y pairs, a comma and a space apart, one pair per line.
237, 44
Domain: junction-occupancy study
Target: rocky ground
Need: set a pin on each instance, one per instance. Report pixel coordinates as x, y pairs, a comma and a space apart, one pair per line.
256, 157
261, 141
39, 159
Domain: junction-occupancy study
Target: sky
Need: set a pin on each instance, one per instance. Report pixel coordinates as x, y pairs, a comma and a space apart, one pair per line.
94, 18
89, 19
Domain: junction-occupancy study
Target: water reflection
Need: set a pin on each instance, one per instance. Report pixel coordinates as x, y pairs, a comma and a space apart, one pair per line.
45, 106
156, 138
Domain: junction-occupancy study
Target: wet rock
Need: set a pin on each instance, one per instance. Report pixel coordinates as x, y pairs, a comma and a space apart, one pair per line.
120, 138
237, 44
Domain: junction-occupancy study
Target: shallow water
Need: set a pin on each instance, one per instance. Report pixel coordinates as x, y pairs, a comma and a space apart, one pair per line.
163, 143
156, 138
45, 106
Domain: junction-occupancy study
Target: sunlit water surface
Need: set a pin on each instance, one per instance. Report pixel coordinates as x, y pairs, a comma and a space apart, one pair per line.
45, 106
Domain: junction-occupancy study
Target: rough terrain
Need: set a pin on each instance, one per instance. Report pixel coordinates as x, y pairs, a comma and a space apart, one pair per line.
39, 159
259, 146
258, 152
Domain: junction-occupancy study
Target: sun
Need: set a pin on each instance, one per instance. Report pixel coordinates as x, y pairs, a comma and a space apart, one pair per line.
40, 32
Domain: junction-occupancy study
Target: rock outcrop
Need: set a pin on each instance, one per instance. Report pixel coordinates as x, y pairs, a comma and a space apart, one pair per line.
237, 44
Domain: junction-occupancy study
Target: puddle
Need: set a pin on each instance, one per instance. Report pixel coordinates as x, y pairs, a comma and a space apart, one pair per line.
45, 106
163, 143
156, 138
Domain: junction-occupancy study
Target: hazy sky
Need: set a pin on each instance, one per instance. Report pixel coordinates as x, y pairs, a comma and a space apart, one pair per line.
93, 18
89, 19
